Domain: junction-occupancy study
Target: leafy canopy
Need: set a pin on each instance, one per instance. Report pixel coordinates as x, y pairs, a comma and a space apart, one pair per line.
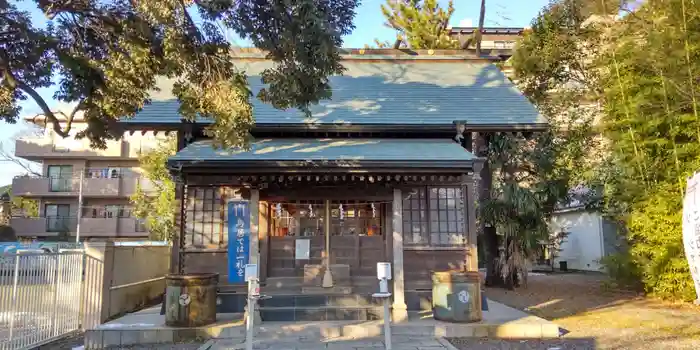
533, 175
105, 56
420, 24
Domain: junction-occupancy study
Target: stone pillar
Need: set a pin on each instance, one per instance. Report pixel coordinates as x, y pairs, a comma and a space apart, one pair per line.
399, 309
254, 206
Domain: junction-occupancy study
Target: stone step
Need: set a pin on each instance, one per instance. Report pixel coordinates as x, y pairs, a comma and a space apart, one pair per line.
325, 313
320, 300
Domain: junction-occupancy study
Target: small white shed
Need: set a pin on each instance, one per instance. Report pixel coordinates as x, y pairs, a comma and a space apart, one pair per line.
588, 239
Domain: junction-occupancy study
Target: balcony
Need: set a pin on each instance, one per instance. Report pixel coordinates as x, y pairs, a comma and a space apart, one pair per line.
38, 148
43, 226
89, 227
117, 187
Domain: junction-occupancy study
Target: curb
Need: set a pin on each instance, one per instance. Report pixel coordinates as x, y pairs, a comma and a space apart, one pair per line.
444, 342
207, 345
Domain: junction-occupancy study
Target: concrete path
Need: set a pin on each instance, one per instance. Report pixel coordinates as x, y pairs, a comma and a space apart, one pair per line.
375, 343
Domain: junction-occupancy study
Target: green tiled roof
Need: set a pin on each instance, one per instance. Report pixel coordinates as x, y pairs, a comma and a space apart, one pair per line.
385, 92
385, 152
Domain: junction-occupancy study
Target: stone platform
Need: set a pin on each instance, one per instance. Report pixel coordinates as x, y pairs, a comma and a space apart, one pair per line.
147, 327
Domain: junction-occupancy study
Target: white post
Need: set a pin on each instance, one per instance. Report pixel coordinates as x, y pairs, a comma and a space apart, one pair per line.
384, 275
387, 325
251, 276
250, 319
80, 206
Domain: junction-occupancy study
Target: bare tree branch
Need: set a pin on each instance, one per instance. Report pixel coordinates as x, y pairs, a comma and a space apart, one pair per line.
6, 156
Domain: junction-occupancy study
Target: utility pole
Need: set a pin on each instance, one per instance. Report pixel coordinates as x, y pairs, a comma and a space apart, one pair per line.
80, 205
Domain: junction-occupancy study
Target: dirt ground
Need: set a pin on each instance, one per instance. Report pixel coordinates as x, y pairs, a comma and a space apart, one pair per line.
616, 320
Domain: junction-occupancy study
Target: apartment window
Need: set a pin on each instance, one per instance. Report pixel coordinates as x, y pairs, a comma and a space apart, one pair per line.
434, 216
141, 225
57, 217
60, 178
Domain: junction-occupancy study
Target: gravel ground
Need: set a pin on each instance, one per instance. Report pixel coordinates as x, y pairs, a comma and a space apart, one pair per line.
514, 344
617, 320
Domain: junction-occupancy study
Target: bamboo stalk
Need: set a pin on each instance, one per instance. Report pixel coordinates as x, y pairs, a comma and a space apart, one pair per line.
679, 178
642, 167
690, 69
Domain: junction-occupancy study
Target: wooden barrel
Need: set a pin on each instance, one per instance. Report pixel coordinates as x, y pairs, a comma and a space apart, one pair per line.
457, 296
190, 299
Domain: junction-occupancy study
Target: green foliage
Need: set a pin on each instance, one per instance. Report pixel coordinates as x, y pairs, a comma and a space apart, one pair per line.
157, 207
420, 24
651, 119
25, 207
105, 56
532, 175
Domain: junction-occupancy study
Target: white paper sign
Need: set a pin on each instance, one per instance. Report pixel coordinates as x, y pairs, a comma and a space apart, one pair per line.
251, 272
302, 250
691, 228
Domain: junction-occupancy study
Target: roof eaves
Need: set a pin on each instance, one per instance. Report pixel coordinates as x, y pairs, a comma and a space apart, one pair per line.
322, 165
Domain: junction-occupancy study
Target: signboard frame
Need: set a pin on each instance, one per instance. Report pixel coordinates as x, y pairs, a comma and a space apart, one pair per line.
238, 239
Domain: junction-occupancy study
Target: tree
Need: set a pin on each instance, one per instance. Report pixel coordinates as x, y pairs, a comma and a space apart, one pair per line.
105, 56
532, 176
420, 24
157, 207
652, 119
554, 245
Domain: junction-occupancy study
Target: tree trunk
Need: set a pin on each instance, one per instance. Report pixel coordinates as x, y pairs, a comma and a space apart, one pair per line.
480, 30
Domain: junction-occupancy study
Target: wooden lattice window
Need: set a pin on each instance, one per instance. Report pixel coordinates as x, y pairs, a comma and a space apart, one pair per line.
446, 216
434, 216
203, 225
207, 216
415, 217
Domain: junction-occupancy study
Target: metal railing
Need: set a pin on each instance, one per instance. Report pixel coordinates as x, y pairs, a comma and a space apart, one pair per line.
61, 224
60, 184
41, 295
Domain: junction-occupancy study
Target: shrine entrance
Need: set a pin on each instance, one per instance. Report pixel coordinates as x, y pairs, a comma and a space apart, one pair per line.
351, 233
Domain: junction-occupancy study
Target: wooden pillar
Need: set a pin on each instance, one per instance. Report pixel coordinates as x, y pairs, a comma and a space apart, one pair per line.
399, 309
254, 227
263, 234
472, 201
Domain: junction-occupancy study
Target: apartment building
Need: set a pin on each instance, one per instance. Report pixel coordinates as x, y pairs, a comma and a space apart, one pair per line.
71, 169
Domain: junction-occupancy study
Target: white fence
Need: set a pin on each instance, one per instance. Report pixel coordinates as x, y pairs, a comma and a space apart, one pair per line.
41, 296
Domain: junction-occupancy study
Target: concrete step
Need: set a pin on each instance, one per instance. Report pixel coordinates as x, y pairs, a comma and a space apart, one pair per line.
322, 313
320, 300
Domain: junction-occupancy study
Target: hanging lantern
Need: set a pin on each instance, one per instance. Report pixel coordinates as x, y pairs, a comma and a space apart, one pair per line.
342, 212
374, 211
278, 209
311, 211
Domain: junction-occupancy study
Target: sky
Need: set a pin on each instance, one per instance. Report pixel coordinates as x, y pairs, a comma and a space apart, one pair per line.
369, 24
